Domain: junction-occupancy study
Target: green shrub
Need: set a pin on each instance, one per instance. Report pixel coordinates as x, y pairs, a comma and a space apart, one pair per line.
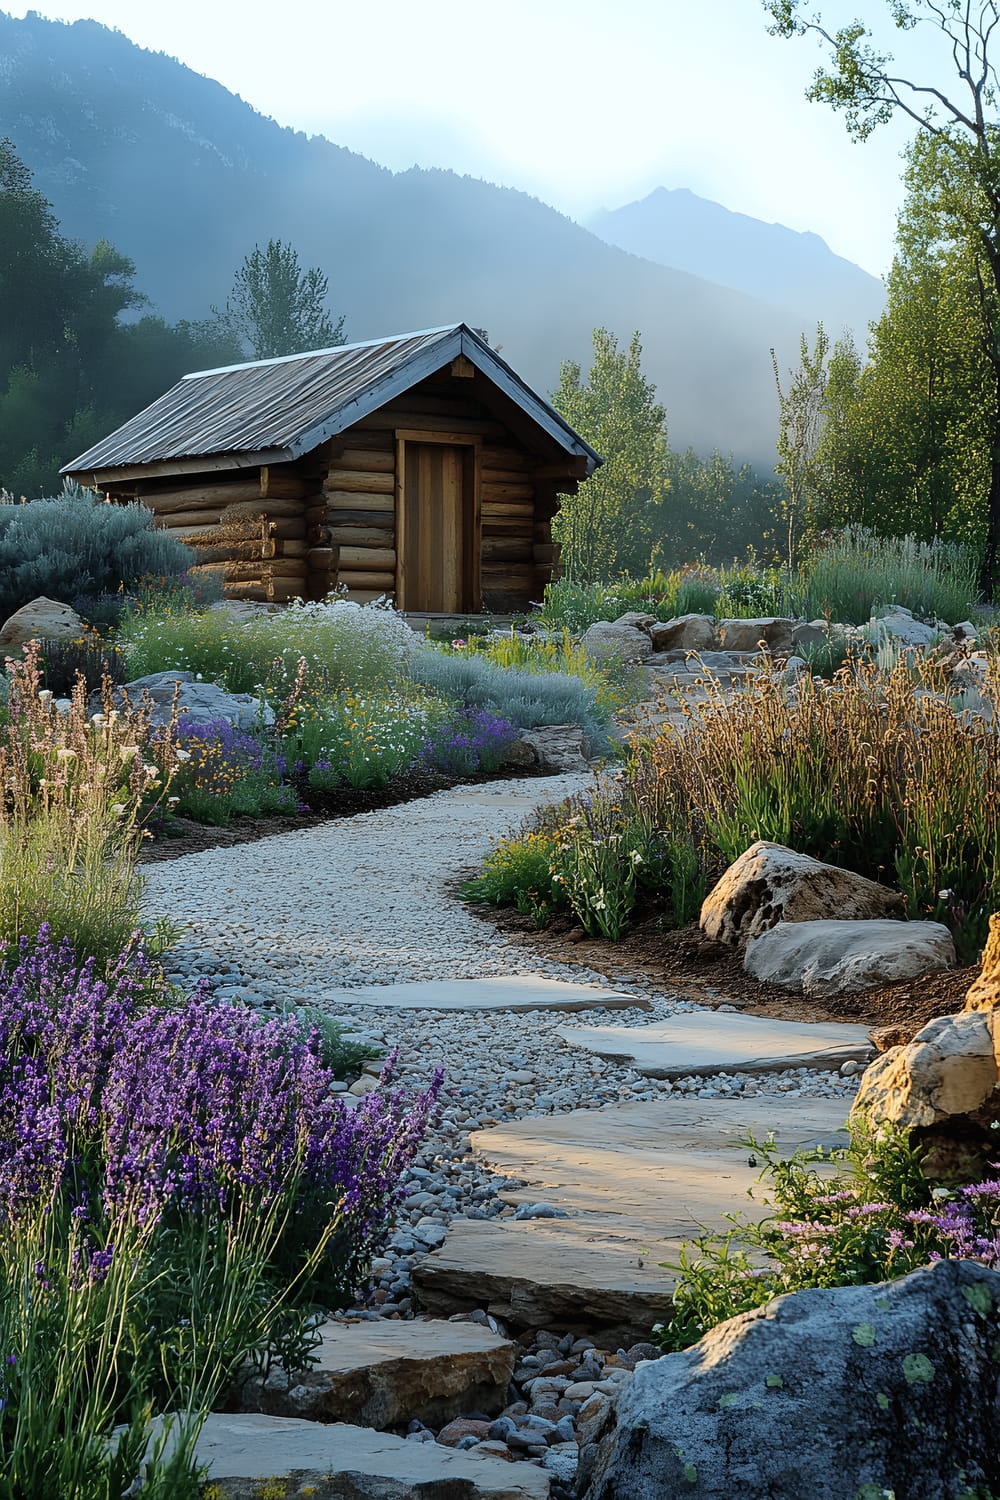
519, 873
89, 657
76, 544
857, 575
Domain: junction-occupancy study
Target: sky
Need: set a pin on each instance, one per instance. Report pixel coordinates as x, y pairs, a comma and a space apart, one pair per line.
583, 103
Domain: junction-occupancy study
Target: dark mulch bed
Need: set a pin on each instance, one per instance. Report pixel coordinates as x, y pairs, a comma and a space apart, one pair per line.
688, 962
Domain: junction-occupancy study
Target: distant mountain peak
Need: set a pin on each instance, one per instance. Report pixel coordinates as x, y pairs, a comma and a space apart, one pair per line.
792, 268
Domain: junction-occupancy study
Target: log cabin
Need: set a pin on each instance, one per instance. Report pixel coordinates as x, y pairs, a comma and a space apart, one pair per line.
419, 466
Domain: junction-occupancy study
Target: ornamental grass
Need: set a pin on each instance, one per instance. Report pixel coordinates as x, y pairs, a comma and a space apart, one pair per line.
875, 772
179, 1184
76, 786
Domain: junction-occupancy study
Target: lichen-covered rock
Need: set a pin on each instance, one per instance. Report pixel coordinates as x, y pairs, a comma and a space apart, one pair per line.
608, 640
746, 635
847, 1393
40, 620
838, 957
770, 884
197, 702
685, 633
984, 992
942, 1088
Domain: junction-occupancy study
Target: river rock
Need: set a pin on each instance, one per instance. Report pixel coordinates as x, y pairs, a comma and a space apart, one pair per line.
685, 633
838, 957
40, 620
770, 884
746, 635
984, 992
942, 1089
844, 1393
608, 640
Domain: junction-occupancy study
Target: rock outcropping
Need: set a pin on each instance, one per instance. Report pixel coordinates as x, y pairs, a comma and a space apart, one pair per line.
849, 1393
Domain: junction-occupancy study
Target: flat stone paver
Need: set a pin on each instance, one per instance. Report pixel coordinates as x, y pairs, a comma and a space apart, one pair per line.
711, 1041
508, 992
335, 1460
383, 1374
635, 1183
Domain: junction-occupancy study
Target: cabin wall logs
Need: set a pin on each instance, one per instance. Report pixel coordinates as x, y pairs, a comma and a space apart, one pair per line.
299, 530
264, 530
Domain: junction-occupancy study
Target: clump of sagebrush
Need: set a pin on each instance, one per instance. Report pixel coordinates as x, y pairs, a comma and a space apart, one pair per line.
343, 645
857, 1214
527, 699
76, 544
180, 1183
616, 685
76, 786
856, 575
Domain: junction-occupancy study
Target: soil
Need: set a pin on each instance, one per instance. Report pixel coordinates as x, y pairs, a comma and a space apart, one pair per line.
685, 961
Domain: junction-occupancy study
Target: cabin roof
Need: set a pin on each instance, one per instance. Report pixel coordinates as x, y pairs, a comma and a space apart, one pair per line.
274, 410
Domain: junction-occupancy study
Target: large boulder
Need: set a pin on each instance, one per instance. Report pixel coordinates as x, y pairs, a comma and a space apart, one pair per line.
620, 640
943, 1089
770, 884
984, 992
197, 702
844, 1393
746, 635
899, 626
685, 633
835, 957
556, 749
40, 620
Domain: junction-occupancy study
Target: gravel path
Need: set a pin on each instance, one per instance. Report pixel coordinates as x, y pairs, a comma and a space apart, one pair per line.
367, 900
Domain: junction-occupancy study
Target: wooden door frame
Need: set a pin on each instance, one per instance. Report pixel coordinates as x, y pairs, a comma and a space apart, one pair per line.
473, 544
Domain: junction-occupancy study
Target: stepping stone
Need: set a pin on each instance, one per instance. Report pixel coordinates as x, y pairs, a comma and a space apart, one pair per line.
706, 1042
510, 992
381, 1374
250, 1456
637, 1181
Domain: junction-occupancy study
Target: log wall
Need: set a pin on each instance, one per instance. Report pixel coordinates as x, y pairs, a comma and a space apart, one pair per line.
329, 519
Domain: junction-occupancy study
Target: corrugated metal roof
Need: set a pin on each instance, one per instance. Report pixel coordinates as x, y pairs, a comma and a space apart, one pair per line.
278, 409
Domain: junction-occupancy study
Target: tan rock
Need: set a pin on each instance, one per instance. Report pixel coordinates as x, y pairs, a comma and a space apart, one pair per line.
841, 957
747, 635
461, 1427
384, 1374
943, 1089
770, 884
606, 640
249, 1456
40, 620
556, 749
685, 633
984, 992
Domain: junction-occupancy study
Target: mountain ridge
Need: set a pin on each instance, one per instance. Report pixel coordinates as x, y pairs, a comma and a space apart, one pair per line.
184, 177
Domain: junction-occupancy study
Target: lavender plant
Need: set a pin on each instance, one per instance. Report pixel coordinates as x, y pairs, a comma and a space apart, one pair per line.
863, 1213
176, 1185
468, 741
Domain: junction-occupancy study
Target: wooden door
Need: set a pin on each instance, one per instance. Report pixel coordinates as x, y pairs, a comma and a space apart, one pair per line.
438, 533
